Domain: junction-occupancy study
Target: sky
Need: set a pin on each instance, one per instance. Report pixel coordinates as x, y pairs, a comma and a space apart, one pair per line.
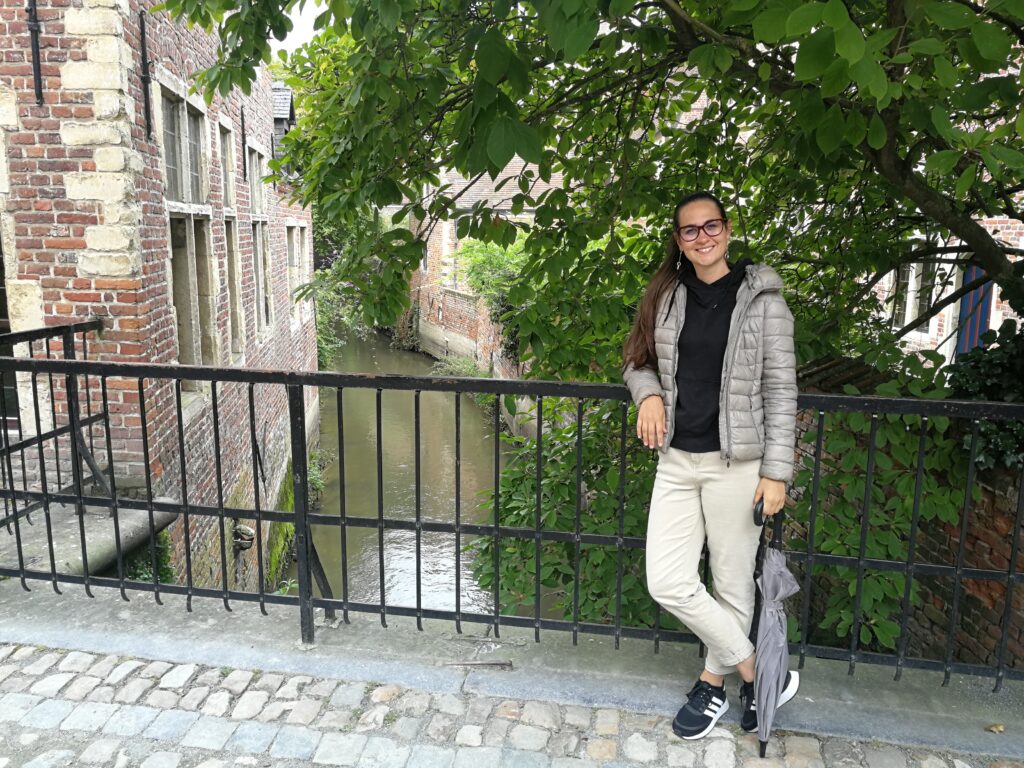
302, 31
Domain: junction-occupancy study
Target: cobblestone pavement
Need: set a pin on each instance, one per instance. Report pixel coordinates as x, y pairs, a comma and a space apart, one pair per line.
61, 708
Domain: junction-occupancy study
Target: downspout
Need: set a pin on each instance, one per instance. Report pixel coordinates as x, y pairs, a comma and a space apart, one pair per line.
33, 28
146, 78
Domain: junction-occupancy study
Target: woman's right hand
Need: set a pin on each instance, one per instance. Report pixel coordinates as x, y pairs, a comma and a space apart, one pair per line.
650, 421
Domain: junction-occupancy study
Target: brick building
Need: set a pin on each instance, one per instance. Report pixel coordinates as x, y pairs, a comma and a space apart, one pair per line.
450, 319
125, 196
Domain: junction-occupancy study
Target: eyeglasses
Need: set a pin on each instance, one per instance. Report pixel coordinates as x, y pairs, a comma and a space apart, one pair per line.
711, 227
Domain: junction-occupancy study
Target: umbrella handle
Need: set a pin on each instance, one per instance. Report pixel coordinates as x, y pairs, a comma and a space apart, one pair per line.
777, 520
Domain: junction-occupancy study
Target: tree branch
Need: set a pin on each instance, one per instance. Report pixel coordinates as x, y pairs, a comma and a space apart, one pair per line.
941, 305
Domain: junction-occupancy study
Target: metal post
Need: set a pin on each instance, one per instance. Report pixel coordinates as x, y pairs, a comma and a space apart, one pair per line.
300, 477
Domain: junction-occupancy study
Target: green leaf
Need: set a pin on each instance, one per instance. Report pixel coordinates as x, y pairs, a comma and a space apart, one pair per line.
528, 142
966, 180
942, 123
492, 56
815, 54
830, 131
770, 25
803, 18
876, 133
501, 141
581, 34
927, 45
390, 13
835, 14
620, 7
942, 162
950, 15
945, 72
723, 58
993, 43
835, 79
1008, 156
850, 43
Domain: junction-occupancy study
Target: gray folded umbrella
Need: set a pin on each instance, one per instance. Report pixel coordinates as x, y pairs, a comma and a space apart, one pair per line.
775, 583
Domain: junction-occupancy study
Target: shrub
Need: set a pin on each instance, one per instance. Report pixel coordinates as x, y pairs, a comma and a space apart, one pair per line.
995, 372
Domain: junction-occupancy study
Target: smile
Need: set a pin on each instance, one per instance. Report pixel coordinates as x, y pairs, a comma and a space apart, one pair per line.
707, 249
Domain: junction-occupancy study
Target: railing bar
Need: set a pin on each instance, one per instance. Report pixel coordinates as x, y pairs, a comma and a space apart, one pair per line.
1011, 569
620, 533
184, 493
31, 440
149, 493
71, 391
10, 476
115, 512
342, 518
862, 550
254, 456
497, 518
53, 415
812, 520
537, 519
51, 331
915, 517
419, 509
42, 484
300, 493
218, 475
380, 509
577, 522
88, 397
958, 574
458, 513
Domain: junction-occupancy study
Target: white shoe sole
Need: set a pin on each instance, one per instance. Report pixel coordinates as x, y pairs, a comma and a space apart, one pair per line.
706, 731
787, 694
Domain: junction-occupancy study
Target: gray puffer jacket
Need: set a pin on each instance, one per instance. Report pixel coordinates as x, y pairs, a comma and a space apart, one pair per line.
757, 398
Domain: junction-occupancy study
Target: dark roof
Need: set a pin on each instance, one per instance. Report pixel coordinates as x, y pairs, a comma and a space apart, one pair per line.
831, 374
284, 103
486, 189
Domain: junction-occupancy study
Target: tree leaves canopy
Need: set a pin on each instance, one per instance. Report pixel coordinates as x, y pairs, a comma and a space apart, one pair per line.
847, 139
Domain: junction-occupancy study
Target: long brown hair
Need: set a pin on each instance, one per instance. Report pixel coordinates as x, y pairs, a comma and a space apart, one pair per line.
639, 349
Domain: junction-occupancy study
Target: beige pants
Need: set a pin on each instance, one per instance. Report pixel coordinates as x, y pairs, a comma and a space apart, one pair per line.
697, 496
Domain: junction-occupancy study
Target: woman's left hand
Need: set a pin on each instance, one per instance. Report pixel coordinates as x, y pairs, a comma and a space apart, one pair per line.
774, 494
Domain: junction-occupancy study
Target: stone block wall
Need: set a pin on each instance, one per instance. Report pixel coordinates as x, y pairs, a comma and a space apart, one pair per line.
84, 225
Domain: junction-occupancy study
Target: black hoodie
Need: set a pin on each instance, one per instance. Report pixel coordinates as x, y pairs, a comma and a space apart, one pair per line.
702, 344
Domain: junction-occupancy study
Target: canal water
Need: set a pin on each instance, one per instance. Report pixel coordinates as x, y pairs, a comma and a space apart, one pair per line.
374, 354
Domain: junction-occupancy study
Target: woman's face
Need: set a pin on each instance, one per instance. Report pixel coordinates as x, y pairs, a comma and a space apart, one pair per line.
705, 250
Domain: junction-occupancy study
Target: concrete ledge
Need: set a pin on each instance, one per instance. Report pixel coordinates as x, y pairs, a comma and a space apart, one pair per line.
868, 706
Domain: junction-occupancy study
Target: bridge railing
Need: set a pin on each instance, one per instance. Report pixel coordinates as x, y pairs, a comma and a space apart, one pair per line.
188, 440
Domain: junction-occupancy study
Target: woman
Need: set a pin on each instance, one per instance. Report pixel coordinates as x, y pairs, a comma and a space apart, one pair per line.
711, 367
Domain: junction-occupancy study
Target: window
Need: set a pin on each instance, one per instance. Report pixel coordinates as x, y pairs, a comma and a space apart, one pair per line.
291, 236
227, 164
184, 150
193, 289
172, 148
261, 274
912, 293
235, 318
195, 156
256, 174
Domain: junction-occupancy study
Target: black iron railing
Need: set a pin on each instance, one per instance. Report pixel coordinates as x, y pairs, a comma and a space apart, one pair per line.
72, 382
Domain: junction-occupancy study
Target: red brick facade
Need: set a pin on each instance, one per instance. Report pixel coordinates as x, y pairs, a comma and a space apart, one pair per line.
86, 225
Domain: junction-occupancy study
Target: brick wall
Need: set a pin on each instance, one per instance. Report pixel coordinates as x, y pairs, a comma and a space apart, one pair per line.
85, 231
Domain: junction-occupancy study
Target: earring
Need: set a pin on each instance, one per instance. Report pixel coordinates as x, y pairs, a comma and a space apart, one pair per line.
679, 263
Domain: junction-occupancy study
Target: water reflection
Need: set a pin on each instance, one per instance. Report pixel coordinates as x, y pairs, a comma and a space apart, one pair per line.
398, 480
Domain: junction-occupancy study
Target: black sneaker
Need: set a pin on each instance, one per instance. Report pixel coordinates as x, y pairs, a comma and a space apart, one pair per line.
748, 720
705, 703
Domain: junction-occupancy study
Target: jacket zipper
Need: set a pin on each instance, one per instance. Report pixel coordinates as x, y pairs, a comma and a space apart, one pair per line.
724, 395
680, 316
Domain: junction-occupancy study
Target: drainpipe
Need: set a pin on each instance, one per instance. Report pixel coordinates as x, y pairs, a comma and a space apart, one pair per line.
33, 28
146, 78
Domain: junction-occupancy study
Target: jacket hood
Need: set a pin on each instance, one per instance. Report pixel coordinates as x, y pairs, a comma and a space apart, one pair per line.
761, 278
